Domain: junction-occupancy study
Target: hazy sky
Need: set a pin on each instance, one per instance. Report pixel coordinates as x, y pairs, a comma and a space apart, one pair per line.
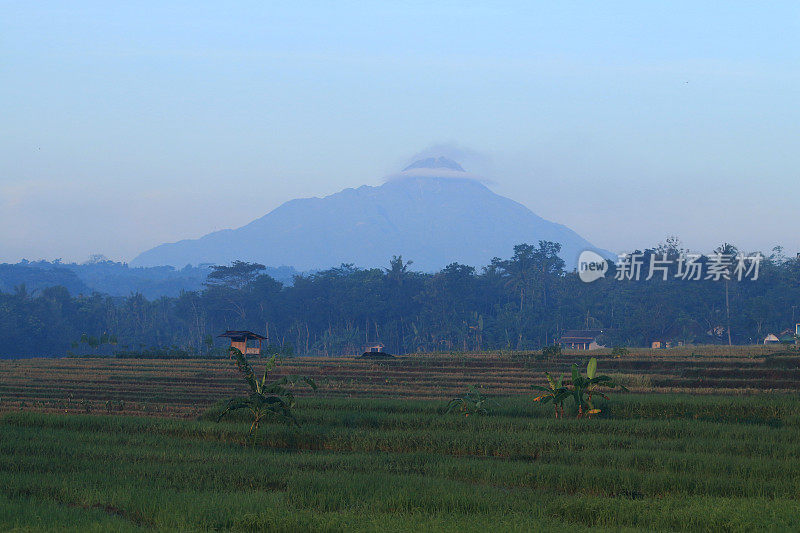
124, 126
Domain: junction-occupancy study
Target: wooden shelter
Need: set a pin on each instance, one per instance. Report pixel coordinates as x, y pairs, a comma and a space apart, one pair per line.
581, 339
239, 341
374, 348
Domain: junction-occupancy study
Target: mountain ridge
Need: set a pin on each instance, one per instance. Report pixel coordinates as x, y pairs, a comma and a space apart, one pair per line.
431, 213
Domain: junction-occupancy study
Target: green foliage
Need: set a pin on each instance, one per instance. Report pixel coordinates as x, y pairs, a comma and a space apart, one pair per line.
276, 350
581, 390
472, 403
551, 351
95, 343
237, 276
555, 392
267, 399
619, 351
583, 387
518, 303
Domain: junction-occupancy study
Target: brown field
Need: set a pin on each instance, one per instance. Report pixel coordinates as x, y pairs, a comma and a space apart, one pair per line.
186, 387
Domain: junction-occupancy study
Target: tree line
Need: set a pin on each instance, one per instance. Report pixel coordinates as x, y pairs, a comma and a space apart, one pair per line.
520, 303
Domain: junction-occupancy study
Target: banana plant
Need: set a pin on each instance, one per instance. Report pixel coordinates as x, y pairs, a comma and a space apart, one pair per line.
555, 392
267, 399
583, 387
472, 403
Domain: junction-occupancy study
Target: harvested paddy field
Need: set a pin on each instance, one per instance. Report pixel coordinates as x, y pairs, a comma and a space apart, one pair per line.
186, 387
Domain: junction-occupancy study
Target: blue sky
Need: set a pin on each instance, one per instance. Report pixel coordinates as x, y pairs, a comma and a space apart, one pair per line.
124, 126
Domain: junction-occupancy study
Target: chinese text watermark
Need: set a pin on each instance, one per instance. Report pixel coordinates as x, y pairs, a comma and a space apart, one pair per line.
685, 266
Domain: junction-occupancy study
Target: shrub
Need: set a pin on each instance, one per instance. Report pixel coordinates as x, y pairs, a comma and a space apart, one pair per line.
266, 399
551, 351
580, 390
619, 351
472, 403
555, 392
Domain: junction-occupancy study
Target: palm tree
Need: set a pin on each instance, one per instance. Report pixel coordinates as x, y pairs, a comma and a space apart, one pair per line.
727, 249
519, 271
398, 270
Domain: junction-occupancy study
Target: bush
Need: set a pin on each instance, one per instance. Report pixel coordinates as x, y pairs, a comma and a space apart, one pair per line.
551, 351
619, 351
286, 350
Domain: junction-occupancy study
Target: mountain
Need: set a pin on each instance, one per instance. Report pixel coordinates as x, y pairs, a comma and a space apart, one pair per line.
433, 212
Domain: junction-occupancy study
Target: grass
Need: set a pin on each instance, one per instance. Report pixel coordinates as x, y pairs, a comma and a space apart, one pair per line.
649, 462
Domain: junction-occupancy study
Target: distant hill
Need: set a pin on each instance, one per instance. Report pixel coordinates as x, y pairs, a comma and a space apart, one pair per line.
37, 276
114, 279
433, 213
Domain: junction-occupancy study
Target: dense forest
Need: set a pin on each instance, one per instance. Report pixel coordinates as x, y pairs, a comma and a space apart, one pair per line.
98, 274
523, 302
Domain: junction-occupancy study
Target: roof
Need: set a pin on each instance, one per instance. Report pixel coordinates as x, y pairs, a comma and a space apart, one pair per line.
580, 335
244, 334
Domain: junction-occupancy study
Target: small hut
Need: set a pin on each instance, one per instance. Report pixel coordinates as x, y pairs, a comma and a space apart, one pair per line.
581, 339
239, 340
376, 351
374, 348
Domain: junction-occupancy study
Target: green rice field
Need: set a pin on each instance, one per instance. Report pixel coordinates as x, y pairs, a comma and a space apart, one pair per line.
663, 462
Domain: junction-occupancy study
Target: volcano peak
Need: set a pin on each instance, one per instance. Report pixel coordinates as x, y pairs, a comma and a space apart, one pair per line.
435, 162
